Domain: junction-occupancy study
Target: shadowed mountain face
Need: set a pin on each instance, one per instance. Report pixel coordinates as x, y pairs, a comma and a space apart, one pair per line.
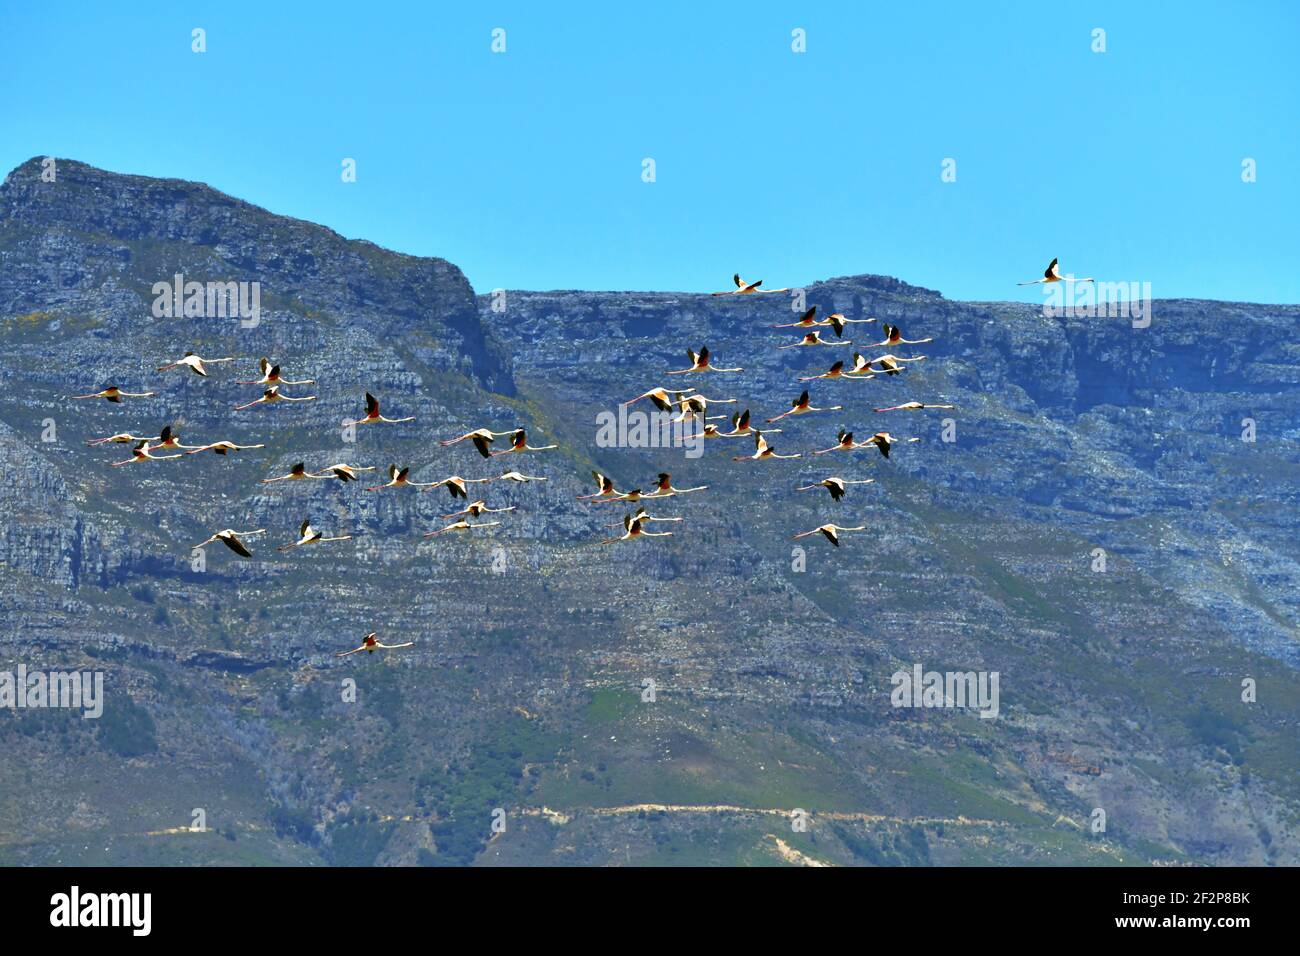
1106, 520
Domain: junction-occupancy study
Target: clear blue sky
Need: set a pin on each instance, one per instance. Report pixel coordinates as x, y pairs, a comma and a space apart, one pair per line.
524, 168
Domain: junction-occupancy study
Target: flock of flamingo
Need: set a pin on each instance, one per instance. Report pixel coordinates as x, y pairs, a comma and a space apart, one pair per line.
691, 408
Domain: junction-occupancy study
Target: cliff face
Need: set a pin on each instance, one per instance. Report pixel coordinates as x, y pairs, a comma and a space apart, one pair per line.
772, 659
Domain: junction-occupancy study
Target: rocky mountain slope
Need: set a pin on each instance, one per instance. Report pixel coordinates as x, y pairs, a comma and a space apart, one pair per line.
771, 659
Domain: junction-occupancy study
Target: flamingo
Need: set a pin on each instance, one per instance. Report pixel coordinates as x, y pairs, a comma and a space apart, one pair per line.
837, 371
516, 476
894, 336
696, 407
700, 363
662, 397
476, 508
631, 496
643, 516
604, 485
479, 433
271, 376
747, 288
762, 450
219, 447
193, 363
891, 364
911, 406
836, 485
806, 321
342, 472
297, 473
812, 338
1053, 274
837, 318
633, 529
121, 438
309, 535
233, 540
456, 485
517, 444
370, 643
397, 478
272, 395
169, 438
740, 426
802, 406
664, 487
885, 441
845, 443
461, 525
115, 394
831, 531
141, 453
372, 414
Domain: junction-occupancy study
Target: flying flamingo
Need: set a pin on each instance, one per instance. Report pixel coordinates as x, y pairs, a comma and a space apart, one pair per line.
219, 447
806, 321
372, 414
397, 478
169, 438
634, 529
845, 443
700, 363
836, 485
309, 535
370, 643
484, 433
232, 539
297, 473
891, 364
272, 395
762, 450
517, 444
835, 371
476, 508
802, 406
696, 407
604, 484
193, 363
456, 485
271, 376
894, 336
885, 441
516, 476
461, 525
633, 496
141, 453
662, 397
911, 406
115, 394
1053, 274
641, 515
121, 438
740, 426
812, 338
831, 531
342, 472
664, 487
747, 288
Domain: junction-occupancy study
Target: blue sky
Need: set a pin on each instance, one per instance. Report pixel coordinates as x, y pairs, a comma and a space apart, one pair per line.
525, 167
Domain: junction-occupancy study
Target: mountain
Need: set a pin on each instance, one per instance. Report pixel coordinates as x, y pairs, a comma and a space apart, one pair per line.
1089, 522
